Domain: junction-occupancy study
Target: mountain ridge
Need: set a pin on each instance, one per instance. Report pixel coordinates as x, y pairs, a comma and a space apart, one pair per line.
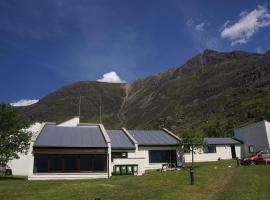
206, 88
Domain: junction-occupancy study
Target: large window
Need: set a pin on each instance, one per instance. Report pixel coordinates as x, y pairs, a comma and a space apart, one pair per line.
162, 156
46, 163
210, 149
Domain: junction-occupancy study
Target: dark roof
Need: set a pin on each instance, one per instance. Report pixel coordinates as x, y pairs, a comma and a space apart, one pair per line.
120, 140
80, 136
152, 138
216, 141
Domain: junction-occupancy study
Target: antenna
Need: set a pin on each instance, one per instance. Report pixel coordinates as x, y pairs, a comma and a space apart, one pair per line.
100, 102
202, 65
80, 106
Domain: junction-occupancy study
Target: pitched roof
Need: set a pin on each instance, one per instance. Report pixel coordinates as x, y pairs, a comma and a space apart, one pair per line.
153, 137
80, 136
120, 140
216, 141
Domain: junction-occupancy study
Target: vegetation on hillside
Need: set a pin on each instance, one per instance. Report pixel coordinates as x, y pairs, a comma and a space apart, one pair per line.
212, 92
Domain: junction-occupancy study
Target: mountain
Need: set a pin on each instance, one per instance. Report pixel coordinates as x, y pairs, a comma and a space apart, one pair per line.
63, 104
226, 89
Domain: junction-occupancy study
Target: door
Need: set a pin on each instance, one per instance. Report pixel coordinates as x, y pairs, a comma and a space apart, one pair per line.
233, 151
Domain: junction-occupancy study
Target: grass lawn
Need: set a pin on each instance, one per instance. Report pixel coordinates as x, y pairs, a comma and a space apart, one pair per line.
212, 181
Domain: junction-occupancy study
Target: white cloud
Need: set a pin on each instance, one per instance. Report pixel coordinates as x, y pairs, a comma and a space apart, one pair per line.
199, 27
111, 77
24, 102
248, 24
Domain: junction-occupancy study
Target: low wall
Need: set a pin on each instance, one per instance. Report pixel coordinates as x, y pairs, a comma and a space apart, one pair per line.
67, 176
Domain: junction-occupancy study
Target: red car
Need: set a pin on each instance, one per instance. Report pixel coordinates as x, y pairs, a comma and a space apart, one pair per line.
258, 158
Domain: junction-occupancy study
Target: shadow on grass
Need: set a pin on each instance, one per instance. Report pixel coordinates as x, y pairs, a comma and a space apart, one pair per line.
15, 178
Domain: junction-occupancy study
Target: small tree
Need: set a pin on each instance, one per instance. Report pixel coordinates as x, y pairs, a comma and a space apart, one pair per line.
14, 138
191, 141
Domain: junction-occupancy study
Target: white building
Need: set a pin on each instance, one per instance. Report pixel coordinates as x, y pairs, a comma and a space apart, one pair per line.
71, 150
254, 137
216, 149
83, 151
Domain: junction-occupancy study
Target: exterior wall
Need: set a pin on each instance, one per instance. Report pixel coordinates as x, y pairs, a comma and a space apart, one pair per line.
130, 153
131, 161
140, 157
143, 153
267, 126
20, 167
254, 134
70, 176
71, 123
222, 152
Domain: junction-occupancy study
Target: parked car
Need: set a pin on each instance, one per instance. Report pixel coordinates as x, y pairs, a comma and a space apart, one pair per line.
257, 158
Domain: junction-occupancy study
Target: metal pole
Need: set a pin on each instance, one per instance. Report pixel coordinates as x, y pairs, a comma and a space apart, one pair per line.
100, 110
237, 162
191, 176
80, 107
192, 165
192, 153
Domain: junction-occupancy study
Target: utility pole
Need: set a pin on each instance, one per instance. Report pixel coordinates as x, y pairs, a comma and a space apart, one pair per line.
191, 170
100, 109
80, 107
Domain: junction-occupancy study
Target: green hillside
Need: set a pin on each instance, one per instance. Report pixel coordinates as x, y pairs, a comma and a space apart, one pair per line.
212, 91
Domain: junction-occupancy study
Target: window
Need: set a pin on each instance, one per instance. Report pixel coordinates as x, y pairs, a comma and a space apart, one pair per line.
119, 155
55, 164
251, 149
44, 163
71, 163
162, 156
85, 163
99, 163
210, 149
41, 163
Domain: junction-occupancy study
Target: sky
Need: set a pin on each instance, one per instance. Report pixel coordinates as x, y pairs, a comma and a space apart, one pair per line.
45, 45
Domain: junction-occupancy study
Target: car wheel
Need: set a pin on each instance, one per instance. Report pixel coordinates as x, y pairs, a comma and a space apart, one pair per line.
252, 163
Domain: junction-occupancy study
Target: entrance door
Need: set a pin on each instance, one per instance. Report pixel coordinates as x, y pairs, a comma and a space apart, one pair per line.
233, 151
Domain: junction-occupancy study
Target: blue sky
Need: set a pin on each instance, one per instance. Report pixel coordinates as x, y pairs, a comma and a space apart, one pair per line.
47, 44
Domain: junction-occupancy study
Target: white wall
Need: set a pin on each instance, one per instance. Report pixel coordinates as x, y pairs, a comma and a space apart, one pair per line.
71, 122
20, 167
140, 157
67, 176
267, 126
222, 152
254, 134
131, 161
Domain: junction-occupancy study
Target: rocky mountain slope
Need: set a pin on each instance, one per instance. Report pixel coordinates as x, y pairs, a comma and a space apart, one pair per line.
230, 88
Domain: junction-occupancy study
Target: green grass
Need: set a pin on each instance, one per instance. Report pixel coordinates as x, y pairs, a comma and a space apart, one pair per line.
212, 181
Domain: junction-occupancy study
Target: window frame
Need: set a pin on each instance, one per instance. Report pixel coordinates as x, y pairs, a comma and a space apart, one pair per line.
208, 147
118, 154
172, 155
251, 147
96, 161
